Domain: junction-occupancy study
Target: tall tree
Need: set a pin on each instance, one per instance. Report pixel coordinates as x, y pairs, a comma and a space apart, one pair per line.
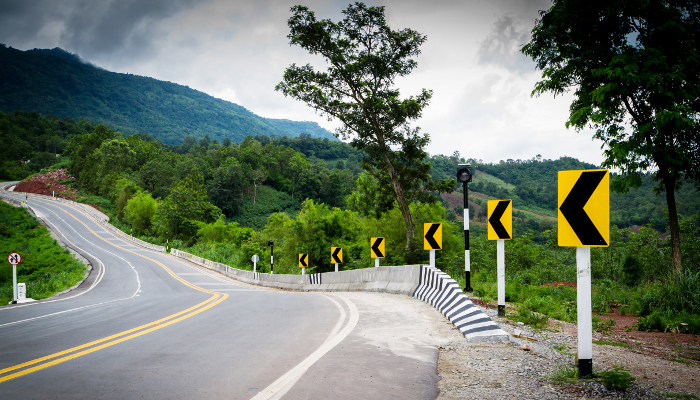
635, 69
365, 57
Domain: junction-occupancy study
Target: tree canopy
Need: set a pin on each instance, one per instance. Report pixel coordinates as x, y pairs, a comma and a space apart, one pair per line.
364, 57
635, 70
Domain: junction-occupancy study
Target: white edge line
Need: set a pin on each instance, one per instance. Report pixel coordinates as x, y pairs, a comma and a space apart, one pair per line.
292, 375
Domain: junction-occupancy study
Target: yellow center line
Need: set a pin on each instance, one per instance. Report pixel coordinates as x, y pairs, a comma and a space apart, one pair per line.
108, 341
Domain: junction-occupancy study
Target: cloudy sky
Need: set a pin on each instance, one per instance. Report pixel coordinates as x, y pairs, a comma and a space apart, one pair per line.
238, 50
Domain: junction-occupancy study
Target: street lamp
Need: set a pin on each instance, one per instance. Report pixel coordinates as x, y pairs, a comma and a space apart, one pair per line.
166, 242
272, 259
132, 229
464, 175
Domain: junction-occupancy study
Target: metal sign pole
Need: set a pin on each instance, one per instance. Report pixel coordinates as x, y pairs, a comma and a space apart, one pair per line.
501, 276
336, 267
584, 311
376, 263
432, 258
14, 284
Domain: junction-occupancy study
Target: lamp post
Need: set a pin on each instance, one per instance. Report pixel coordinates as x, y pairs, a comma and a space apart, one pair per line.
132, 229
464, 175
272, 259
166, 242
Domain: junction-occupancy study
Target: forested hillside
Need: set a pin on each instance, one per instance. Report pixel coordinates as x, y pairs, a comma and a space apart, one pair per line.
55, 82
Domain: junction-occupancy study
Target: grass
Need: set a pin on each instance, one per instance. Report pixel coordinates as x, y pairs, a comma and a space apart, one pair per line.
680, 396
562, 348
46, 268
614, 378
564, 374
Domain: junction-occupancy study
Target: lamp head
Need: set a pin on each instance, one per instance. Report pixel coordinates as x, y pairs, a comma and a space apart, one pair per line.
464, 175
270, 243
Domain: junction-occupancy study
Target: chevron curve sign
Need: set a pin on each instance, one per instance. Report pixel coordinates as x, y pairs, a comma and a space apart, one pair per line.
584, 208
500, 219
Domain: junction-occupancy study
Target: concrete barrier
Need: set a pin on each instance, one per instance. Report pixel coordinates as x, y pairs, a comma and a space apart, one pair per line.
420, 281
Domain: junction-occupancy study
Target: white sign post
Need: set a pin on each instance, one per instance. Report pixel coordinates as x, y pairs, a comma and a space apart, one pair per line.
14, 259
255, 260
501, 276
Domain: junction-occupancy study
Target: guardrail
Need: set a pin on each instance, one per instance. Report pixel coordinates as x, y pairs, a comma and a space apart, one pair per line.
92, 213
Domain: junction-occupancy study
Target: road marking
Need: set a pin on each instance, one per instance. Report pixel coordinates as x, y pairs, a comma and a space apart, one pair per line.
108, 341
286, 381
62, 312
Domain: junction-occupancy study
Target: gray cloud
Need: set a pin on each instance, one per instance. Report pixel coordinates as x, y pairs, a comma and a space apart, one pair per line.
96, 30
502, 45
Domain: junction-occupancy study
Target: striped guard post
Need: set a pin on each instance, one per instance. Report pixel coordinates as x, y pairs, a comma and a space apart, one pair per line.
442, 292
314, 279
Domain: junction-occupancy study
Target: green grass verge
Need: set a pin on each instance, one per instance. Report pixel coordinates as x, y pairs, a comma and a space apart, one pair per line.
46, 268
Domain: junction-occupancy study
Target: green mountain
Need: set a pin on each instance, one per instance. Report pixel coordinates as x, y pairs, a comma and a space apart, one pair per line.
55, 82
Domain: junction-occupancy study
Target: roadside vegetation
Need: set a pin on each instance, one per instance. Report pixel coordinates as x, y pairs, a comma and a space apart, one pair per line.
224, 202
46, 267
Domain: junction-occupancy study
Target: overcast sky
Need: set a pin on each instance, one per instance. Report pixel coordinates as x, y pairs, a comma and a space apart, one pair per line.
238, 50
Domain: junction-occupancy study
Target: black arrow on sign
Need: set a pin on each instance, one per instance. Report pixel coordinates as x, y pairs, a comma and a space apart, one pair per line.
302, 260
572, 208
495, 219
429, 236
375, 247
335, 255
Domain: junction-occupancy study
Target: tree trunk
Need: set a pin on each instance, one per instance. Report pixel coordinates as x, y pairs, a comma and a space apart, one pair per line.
403, 206
670, 186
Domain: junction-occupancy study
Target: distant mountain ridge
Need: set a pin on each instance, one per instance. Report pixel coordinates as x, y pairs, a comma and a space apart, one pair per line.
56, 82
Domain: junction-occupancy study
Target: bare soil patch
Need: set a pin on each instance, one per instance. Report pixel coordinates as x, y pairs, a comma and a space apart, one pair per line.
683, 348
558, 283
49, 184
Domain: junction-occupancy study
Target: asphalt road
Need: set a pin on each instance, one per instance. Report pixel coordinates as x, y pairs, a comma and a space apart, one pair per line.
148, 325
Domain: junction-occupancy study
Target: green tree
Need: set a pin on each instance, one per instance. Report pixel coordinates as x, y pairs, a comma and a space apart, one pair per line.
365, 58
298, 165
186, 204
140, 210
635, 68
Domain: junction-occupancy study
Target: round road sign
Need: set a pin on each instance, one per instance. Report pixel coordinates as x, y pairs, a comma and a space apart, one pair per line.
255, 258
14, 258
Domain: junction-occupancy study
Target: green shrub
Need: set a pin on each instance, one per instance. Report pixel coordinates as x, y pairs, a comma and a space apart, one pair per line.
615, 378
530, 318
632, 270
564, 374
658, 321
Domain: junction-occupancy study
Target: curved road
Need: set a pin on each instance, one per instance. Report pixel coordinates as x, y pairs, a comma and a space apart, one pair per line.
149, 325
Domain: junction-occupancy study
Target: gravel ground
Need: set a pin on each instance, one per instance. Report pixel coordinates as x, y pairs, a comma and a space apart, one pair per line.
501, 370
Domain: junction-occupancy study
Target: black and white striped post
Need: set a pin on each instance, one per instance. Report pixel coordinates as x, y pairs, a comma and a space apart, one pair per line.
464, 175
272, 258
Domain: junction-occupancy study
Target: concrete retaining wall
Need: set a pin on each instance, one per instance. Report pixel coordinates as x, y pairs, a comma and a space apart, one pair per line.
420, 281
400, 280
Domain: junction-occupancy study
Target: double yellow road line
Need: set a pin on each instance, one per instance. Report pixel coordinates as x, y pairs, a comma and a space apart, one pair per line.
87, 348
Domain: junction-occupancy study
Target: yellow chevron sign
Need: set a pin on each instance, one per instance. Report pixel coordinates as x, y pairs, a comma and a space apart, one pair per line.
500, 219
584, 208
377, 246
303, 260
432, 239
